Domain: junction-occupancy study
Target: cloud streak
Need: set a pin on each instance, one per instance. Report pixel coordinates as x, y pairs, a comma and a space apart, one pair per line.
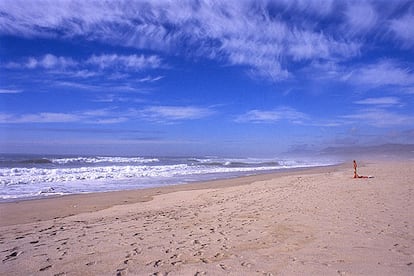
43, 117
403, 30
102, 62
158, 114
383, 101
47, 61
254, 34
384, 72
10, 91
273, 116
175, 113
360, 18
97, 116
379, 117
125, 62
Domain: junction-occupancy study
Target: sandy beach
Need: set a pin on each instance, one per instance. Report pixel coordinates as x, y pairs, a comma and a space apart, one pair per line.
306, 222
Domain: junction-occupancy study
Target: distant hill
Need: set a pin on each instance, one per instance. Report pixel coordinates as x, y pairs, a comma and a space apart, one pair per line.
384, 150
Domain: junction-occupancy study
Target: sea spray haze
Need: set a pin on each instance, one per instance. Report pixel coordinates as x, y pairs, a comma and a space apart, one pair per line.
29, 176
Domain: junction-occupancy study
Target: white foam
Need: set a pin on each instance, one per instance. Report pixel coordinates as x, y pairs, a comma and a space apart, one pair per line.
104, 159
44, 181
51, 175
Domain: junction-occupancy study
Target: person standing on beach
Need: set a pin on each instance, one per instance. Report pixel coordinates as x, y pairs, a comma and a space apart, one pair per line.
355, 170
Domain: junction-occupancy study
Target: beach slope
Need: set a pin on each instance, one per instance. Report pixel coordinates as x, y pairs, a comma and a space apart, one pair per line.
316, 222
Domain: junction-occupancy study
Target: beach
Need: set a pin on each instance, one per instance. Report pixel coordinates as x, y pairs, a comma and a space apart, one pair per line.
317, 221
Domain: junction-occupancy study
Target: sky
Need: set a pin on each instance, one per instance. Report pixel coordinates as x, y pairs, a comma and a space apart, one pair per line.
226, 78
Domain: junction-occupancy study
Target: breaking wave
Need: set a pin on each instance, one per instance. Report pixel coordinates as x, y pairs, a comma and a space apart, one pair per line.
44, 176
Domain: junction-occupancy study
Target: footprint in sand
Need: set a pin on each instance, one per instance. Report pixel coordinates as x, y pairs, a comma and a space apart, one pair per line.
160, 274
246, 264
13, 256
223, 266
121, 271
45, 268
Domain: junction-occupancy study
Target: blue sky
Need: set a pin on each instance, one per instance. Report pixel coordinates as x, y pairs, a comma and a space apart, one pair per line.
249, 78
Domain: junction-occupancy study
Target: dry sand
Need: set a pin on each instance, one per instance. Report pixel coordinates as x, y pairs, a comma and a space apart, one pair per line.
313, 222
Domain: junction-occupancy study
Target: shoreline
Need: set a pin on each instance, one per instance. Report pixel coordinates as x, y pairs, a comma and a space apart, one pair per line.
20, 211
27, 178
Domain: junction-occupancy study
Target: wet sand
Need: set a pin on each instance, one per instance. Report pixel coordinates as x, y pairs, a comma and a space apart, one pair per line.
307, 222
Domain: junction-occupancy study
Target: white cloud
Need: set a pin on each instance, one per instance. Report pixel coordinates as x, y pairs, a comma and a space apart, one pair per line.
262, 58
403, 29
78, 85
44, 117
267, 44
111, 61
246, 33
103, 87
50, 61
99, 116
175, 113
128, 62
269, 38
83, 73
151, 79
384, 101
305, 45
97, 112
162, 114
273, 116
231, 33
47, 61
360, 16
10, 91
385, 72
379, 117
314, 7
112, 120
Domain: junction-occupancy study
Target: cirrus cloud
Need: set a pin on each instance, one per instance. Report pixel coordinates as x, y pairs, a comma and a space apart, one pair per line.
254, 34
160, 114
379, 117
273, 116
385, 101
43, 117
361, 17
403, 29
384, 72
104, 61
10, 91
47, 61
128, 62
175, 113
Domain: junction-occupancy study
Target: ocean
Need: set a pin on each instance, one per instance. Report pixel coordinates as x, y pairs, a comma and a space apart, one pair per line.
35, 176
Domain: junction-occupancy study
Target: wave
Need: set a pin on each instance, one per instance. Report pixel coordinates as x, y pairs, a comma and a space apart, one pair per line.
41, 161
236, 163
42, 192
97, 174
103, 159
18, 176
35, 161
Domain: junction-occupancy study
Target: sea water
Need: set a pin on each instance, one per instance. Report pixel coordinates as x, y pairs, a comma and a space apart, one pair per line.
32, 176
